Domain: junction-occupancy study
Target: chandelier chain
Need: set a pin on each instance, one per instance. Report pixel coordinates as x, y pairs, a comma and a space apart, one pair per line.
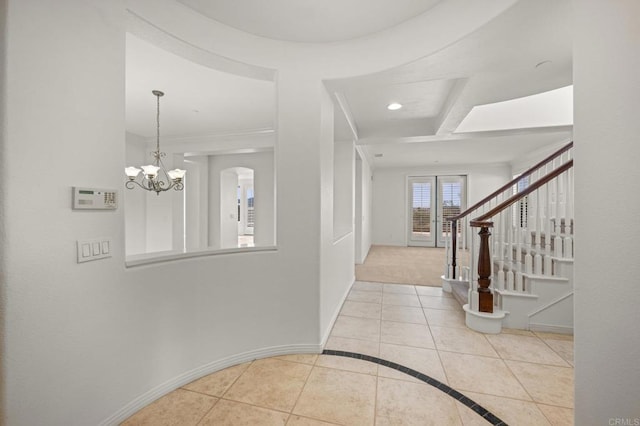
158, 124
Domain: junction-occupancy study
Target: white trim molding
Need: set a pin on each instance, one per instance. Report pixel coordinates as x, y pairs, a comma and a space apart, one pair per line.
189, 376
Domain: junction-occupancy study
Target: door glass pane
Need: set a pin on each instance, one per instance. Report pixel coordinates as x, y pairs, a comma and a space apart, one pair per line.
451, 203
421, 210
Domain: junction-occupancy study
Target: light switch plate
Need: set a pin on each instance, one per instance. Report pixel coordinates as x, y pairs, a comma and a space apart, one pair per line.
94, 249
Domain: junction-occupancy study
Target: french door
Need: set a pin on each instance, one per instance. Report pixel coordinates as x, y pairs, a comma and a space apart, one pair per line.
432, 200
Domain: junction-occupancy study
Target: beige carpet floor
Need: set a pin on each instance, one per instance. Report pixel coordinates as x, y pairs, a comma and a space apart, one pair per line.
403, 265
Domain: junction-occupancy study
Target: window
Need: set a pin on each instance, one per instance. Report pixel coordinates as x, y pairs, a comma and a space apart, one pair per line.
250, 208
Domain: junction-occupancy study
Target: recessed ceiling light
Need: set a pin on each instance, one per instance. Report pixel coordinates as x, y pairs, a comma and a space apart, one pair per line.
377, 155
394, 106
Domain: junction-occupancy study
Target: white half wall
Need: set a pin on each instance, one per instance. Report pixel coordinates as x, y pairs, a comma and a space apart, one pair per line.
390, 195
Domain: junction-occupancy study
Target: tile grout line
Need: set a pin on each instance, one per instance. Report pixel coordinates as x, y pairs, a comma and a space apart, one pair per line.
446, 376
306, 380
515, 376
262, 407
543, 413
477, 408
544, 341
236, 379
375, 398
444, 371
219, 398
208, 411
438, 354
567, 365
254, 405
525, 388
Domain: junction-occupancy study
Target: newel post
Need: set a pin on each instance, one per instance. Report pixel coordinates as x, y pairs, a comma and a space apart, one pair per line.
485, 296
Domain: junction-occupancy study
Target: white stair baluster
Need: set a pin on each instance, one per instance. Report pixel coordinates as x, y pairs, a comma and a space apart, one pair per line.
473, 281
518, 279
537, 260
528, 263
557, 240
510, 281
568, 221
547, 232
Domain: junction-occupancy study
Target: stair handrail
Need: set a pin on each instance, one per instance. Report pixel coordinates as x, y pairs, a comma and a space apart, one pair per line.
482, 221
484, 257
508, 185
454, 219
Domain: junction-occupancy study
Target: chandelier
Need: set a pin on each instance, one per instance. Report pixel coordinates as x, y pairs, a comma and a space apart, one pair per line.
155, 177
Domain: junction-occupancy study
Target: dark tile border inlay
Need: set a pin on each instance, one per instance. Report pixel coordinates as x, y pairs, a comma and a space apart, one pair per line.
480, 410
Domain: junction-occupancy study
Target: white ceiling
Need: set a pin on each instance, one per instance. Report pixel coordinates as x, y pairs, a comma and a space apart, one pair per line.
198, 100
495, 63
311, 20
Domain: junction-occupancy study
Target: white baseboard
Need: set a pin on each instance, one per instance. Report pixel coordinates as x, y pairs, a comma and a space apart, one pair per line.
325, 334
185, 378
546, 328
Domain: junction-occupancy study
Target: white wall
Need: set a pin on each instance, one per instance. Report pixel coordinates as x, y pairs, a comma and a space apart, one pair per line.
607, 207
81, 341
363, 208
390, 195
197, 202
228, 208
135, 200
343, 188
337, 181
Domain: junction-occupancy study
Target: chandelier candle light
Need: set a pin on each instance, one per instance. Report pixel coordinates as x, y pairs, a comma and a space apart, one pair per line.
154, 176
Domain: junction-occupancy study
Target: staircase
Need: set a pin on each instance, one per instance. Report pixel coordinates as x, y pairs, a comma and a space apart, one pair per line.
509, 257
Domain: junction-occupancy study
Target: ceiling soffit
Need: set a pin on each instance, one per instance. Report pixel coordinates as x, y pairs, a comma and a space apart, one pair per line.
311, 21
495, 63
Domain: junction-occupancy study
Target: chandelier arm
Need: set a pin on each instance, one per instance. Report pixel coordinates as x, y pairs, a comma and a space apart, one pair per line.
130, 184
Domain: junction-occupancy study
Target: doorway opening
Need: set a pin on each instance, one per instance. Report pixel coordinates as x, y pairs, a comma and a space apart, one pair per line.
237, 207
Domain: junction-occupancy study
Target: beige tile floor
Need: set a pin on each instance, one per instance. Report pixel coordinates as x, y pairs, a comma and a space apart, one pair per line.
524, 378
